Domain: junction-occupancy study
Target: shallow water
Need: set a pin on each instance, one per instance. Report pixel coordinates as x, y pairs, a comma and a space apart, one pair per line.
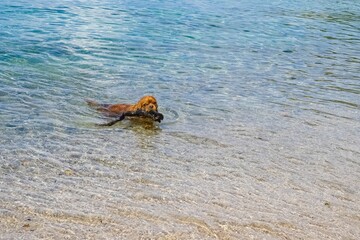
261, 137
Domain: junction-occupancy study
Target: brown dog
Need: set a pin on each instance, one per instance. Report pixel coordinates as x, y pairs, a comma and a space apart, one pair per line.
146, 103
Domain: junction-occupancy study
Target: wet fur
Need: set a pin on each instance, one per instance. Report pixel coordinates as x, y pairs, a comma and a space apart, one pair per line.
146, 103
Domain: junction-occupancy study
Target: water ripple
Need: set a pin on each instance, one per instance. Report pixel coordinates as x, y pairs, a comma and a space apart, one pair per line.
260, 136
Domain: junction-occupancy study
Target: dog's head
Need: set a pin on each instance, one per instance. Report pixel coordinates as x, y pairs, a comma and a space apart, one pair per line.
147, 103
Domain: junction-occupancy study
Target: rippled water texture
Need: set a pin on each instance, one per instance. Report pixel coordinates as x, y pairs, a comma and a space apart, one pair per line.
261, 137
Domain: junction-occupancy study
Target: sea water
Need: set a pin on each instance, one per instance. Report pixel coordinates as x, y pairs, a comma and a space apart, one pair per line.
261, 136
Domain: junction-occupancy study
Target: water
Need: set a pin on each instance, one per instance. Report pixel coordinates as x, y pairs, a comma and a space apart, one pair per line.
261, 137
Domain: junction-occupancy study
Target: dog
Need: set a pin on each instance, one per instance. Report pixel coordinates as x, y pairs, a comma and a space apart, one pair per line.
146, 103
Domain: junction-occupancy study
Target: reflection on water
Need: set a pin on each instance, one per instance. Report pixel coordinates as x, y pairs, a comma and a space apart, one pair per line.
260, 137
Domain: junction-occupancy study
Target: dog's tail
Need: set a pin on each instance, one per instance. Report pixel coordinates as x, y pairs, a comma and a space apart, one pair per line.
92, 103
97, 106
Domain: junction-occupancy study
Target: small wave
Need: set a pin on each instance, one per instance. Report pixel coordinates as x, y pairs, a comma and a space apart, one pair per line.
170, 116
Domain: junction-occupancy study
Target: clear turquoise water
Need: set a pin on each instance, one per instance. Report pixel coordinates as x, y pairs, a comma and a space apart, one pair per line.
261, 131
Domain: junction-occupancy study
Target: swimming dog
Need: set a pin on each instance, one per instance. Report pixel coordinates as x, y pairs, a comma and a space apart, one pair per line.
146, 104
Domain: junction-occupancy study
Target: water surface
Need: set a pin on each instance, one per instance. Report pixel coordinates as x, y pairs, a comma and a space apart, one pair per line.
262, 120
